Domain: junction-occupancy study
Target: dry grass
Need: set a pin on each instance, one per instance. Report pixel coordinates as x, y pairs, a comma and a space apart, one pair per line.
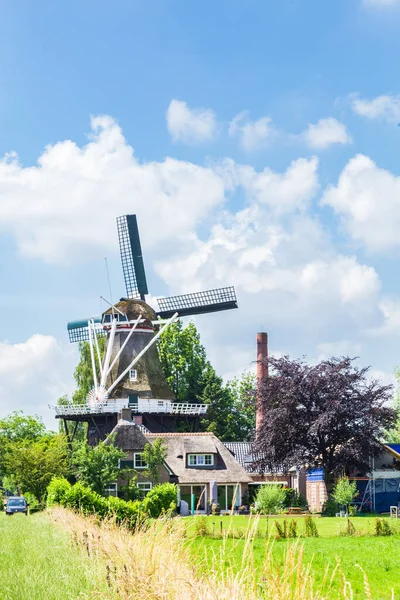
155, 563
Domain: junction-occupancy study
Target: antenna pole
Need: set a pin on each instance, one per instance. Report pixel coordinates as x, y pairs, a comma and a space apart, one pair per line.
139, 356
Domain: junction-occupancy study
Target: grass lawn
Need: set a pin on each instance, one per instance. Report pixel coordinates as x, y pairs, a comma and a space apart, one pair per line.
38, 561
379, 557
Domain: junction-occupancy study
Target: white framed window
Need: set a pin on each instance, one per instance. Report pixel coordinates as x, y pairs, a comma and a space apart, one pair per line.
138, 461
111, 488
132, 375
201, 460
144, 487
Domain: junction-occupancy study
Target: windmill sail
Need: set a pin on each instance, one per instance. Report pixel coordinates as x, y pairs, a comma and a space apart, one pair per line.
198, 303
131, 257
78, 331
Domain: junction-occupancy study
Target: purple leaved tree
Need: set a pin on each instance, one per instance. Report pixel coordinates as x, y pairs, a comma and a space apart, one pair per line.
330, 415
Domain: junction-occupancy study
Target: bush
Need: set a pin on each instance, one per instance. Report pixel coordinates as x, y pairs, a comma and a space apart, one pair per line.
34, 505
382, 527
160, 499
201, 526
330, 508
270, 498
292, 529
78, 497
56, 490
310, 527
281, 529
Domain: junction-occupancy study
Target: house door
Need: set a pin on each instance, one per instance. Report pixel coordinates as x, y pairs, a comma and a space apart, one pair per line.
200, 497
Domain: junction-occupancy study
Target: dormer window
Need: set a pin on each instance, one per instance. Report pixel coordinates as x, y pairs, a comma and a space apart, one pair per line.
132, 375
200, 460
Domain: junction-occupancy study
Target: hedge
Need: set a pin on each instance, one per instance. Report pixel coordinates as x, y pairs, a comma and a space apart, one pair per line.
78, 497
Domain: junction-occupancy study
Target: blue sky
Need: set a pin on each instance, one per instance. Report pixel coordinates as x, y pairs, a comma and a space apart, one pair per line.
256, 141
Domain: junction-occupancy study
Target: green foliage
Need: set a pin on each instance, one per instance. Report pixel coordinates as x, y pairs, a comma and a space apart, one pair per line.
161, 499
97, 466
310, 527
330, 508
344, 491
292, 533
78, 497
230, 414
201, 526
270, 499
183, 359
57, 490
32, 464
17, 427
34, 505
382, 528
154, 455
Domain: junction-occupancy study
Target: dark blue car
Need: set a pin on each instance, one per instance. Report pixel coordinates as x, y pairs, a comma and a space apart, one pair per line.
16, 504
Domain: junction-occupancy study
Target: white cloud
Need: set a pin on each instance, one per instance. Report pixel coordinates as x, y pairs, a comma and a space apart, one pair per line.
190, 125
326, 132
367, 199
33, 374
64, 208
282, 192
385, 108
252, 135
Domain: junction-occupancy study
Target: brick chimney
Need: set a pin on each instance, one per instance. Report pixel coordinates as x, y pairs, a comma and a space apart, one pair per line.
262, 372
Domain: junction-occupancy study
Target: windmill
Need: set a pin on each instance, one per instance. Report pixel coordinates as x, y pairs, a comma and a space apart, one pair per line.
130, 373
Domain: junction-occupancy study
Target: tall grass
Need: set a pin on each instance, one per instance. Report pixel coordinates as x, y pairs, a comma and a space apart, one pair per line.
155, 563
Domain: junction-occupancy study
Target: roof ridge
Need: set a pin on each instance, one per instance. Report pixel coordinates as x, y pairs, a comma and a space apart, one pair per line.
179, 433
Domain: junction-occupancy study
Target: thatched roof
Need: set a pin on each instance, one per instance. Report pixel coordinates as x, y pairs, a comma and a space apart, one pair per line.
225, 470
128, 436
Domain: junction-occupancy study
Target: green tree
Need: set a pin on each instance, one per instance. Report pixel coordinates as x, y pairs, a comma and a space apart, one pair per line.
183, 359
31, 465
218, 398
270, 499
154, 455
17, 427
241, 421
97, 466
344, 492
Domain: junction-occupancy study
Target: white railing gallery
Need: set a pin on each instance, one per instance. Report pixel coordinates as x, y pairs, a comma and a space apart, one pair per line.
143, 405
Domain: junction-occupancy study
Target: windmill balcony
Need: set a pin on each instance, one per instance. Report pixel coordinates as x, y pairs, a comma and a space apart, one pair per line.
143, 405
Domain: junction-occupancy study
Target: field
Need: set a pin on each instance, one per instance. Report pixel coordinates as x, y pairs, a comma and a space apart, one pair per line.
59, 555
378, 557
38, 562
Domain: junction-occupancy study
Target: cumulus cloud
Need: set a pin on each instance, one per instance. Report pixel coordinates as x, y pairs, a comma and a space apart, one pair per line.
33, 374
190, 125
326, 132
252, 135
367, 200
384, 108
64, 208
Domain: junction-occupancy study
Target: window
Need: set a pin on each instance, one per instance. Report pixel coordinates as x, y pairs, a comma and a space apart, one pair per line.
138, 461
201, 460
111, 489
144, 487
133, 375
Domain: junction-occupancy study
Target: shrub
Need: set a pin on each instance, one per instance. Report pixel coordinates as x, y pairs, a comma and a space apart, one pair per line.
292, 529
80, 498
281, 529
160, 500
33, 502
201, 526
270, 498
56, 490
330, 508
310, 527
382, 527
